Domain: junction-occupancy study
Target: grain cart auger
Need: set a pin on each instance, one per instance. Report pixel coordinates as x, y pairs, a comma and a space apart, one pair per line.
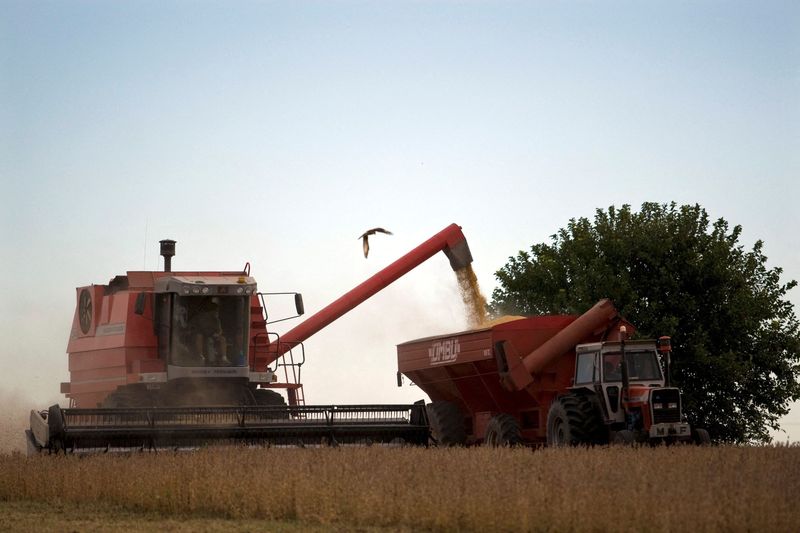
177, 359
560, 380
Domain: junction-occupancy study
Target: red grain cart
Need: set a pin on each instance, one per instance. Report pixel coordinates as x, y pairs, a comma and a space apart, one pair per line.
558, 379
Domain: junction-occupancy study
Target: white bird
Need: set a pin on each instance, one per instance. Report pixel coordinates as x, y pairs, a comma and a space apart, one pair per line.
365, 237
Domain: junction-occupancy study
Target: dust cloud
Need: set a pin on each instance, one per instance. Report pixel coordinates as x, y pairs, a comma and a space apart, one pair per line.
14, 420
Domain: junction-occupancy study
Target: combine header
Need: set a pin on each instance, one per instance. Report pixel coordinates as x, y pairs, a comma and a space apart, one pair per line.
163, 359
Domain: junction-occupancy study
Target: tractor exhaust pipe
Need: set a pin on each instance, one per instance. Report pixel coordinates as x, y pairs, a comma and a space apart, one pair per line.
167, 251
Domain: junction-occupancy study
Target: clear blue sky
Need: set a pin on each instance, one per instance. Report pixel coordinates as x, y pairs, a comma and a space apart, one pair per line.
276, 132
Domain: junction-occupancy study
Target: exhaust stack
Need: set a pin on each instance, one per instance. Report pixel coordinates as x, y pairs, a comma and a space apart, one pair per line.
167, 251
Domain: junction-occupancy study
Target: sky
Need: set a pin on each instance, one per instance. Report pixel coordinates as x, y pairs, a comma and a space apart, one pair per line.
275, 133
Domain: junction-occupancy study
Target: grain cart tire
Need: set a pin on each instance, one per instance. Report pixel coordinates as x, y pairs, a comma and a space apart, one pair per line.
572, 421
701, 437
447, 423
503, 430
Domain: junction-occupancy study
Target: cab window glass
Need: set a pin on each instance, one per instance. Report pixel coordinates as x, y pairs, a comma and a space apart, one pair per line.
585, 368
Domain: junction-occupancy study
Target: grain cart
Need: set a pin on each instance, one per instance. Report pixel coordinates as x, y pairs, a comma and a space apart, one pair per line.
165, 358
560, 380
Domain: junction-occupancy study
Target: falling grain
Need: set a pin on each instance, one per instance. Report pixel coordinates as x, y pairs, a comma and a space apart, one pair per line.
474, 300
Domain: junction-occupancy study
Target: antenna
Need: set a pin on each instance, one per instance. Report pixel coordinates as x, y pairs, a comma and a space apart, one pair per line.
144, 260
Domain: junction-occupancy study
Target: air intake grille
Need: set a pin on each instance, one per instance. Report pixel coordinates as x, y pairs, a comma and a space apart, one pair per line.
666, 404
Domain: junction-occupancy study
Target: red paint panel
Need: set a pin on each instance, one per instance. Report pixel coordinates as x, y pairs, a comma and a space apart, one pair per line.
97, 359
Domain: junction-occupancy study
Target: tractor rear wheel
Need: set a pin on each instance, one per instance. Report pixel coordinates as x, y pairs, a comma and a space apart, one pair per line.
503, 430
447, 423
573, 420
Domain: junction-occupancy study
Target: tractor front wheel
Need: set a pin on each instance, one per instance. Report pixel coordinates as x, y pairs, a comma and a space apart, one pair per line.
624, 437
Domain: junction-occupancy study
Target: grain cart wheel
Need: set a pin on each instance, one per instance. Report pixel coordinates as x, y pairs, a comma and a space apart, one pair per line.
447, 423
572, 421
701, 437
503, 430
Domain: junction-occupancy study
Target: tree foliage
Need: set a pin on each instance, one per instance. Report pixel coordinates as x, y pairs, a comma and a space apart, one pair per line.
670, 271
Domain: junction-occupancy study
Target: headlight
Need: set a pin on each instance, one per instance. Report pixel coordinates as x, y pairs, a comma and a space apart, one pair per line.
673, 405
658, 406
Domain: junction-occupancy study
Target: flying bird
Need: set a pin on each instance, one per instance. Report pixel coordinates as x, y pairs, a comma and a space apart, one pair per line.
365, 237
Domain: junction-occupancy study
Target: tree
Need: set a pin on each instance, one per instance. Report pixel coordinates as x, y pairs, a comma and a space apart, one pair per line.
736, 339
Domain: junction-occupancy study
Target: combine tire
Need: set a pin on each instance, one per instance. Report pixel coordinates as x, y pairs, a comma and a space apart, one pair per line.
129, 396
268, 397
447, 424
572, 421
503, 430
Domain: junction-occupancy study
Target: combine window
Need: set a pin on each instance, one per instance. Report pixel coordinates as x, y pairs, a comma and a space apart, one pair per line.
209, 331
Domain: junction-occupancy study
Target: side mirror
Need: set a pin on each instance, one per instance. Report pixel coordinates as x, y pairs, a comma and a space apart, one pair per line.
399, 379
140, 302
298, 303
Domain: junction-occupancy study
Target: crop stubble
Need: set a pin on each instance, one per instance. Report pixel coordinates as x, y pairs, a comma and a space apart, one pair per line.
653, 489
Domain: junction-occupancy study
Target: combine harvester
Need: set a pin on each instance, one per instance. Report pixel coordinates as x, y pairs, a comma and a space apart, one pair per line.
172, 359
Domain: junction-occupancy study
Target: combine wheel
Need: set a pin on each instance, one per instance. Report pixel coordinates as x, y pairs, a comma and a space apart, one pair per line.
129, 396
573, 420
447, 423
503, 430
271, 398
268, 397
701, 437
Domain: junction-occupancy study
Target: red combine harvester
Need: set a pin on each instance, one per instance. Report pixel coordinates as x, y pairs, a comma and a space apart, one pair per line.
563, 380
164, 359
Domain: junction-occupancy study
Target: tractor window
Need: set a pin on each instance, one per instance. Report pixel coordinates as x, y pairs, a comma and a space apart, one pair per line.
642, 366
584, 368
209, 331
